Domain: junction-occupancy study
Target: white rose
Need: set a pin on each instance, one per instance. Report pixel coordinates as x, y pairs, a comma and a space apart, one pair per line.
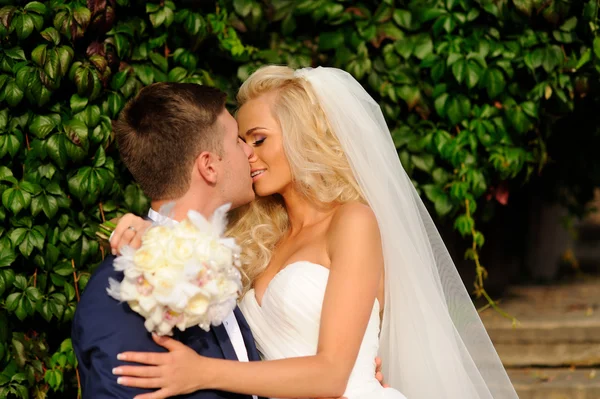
179, 250
148, 259
198, 305
156, 235
164, 280
202, 248
186, 230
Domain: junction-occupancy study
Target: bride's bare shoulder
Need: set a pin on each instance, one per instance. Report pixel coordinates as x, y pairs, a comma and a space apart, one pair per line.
353, 218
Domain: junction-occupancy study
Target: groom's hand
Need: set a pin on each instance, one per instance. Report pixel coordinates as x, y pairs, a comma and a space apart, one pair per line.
378, 373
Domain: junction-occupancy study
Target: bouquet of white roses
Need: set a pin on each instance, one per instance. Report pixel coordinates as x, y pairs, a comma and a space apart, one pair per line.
184, 274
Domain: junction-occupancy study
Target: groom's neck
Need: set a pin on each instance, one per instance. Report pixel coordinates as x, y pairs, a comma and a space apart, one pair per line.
205, 206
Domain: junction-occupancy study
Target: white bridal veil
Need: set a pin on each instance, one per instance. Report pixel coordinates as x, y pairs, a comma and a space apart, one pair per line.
433, 344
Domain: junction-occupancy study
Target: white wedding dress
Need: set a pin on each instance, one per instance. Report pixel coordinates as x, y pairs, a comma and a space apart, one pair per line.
287, 325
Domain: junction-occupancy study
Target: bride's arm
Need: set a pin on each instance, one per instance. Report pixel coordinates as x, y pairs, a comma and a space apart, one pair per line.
354, 248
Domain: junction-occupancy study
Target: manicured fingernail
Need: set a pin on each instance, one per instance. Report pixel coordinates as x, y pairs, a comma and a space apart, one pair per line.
114, 252
120, 380
116, 370
121, 356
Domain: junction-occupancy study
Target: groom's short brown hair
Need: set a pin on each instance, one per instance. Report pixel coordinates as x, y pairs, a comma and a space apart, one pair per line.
163, 129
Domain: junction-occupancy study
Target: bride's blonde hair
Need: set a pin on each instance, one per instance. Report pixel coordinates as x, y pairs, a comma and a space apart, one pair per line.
319, 167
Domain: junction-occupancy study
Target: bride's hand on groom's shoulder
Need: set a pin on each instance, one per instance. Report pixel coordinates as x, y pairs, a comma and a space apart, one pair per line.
129, 231
171, 373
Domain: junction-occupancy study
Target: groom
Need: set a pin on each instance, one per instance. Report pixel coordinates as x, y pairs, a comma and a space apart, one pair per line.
181, 145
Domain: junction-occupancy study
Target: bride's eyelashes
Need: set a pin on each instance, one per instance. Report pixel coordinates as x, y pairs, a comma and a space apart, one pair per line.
259, 141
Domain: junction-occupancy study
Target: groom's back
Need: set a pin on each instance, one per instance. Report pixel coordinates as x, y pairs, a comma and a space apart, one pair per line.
103, 328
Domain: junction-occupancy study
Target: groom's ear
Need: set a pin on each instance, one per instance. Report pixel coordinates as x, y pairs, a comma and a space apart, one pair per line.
207, 165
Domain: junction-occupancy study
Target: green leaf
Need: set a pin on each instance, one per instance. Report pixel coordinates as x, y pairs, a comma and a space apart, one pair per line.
144, 73
69, 291
3, 119
99, 158
36, 7
569, 24
77, 131
63, 269
6, 174
13, 93
425, 162
118, 80
33, 294
403, 18
159, 61
16, 199
82, 15
493, 81
16, 53
115, 104
525, 6
553, 57
459, 69
596, 46
42, 125
177, 74
158, 18
7, 278
12, 301
518, 119
464, 224
57, 151
423, 46
92, 116
473, 73
458, 109
440, 104
78, 103
242, 7
331, 40
47, 203
135, 200
405, 47
51, 35
7, 257
38, 55
24, 26
564, 37
534, 59
33, 239
439, 198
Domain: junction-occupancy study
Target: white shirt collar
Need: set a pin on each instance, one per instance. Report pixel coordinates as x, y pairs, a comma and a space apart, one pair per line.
160, 219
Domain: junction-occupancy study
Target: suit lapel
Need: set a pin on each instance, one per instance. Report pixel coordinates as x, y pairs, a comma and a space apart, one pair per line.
224, 342
247, 335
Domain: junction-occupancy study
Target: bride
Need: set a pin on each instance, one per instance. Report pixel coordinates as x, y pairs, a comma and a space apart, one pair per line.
338, 236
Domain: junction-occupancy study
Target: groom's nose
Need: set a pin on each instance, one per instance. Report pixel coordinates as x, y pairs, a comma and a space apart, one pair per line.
249, 152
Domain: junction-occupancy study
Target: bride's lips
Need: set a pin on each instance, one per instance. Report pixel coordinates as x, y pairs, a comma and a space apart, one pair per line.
256, 174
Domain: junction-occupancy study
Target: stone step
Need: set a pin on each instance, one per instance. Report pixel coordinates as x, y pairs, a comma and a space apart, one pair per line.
559, 325
563, 383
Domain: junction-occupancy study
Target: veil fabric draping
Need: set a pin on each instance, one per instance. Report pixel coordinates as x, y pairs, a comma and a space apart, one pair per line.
433, 344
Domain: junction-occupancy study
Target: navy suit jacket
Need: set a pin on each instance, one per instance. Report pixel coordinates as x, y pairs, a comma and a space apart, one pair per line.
103, 328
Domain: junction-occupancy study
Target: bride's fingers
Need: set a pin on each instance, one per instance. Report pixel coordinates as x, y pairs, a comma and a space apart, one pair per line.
137, 371
136, 382
160, 394
149, 358
166, 342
